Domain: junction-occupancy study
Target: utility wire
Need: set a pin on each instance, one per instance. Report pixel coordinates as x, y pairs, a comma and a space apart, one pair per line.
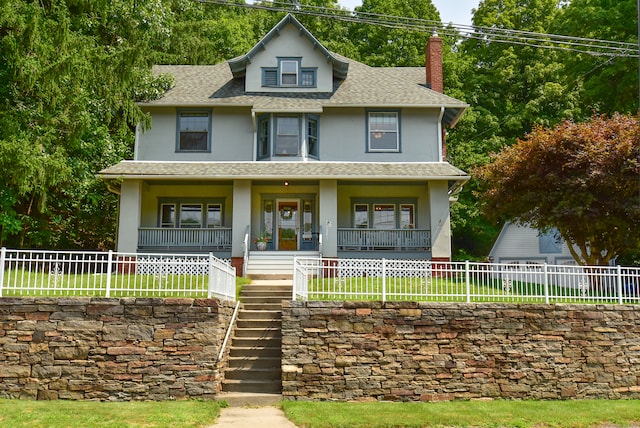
594, 47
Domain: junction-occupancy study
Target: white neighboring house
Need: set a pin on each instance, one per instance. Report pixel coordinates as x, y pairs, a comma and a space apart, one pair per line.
518, 244
315, 151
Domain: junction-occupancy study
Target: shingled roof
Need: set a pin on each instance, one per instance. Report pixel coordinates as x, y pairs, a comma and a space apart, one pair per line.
362, 86
286, 170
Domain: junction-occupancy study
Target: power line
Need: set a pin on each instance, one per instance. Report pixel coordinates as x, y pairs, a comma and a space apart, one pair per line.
594, 47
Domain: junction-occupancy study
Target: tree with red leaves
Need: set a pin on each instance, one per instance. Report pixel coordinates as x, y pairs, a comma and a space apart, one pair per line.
581, 178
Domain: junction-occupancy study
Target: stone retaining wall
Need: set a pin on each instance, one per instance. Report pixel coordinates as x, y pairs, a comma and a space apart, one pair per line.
436, 351
110, 349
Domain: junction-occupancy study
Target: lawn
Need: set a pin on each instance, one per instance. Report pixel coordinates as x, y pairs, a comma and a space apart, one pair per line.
91, 414
23, 283
448, 289
201, 414
524, 414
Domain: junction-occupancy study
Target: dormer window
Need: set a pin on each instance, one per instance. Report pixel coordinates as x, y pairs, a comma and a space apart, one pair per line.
289, 74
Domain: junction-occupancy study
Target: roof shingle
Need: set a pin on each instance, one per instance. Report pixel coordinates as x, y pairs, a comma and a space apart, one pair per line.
286, 170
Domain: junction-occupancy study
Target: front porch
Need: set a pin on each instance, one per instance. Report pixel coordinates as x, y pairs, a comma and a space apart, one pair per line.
221, 240
185, 239
335, 219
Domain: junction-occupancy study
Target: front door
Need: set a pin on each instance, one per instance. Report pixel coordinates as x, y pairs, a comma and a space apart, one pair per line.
288, 224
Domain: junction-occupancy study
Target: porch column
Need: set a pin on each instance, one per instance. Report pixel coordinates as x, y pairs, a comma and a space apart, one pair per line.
129, 216
440, 220
328, 217
241, 214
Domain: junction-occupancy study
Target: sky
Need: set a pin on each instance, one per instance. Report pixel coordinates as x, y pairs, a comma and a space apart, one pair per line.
456, 11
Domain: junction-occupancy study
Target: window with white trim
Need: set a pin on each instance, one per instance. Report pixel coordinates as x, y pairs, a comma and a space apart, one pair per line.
407, 220
289, 74
214, 215
167, 215
384, 216
191, 213
285, 135
383, 131
287, 141
313, 135
361, 216
387, 213
193, 131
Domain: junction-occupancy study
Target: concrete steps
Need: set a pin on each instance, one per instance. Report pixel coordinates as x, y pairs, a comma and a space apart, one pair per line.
273, 264
255, 356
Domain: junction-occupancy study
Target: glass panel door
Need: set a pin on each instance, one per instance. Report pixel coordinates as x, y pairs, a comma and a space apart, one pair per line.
288, 225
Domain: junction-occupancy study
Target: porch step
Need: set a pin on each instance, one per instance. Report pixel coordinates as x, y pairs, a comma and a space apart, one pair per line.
255, 357
253, 385
274, 264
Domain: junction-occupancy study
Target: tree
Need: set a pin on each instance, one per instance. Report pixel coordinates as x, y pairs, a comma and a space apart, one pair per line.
608, 84
70, 74
510, 88
581, 178
380, 46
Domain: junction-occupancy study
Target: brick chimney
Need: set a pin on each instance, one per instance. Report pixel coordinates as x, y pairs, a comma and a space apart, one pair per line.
433, 54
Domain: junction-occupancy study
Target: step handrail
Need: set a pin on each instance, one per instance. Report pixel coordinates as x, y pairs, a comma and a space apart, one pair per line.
226, 336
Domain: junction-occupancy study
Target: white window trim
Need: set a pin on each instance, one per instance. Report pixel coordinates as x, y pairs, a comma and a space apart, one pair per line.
370, 132
179, 114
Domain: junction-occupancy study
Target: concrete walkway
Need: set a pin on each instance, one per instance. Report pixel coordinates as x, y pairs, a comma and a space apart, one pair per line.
252, 417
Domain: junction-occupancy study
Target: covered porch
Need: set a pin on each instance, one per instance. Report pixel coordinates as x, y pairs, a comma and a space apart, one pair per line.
337, 209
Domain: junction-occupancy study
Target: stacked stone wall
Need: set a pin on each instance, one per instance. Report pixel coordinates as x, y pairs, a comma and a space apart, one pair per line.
110, 349
440, 351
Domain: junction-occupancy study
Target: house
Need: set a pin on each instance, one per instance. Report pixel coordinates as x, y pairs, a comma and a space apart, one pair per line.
518, 244
317, 152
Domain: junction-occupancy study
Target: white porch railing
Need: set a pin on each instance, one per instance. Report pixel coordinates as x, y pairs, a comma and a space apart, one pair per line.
424, 280
384, 239
200, 238
111, 274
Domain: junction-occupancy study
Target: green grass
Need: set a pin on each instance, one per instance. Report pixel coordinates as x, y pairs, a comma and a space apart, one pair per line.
524, 414
200, 414
442, 289
86, 414
22, 283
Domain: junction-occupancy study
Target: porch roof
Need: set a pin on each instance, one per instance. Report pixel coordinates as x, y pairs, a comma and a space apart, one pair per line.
402, 171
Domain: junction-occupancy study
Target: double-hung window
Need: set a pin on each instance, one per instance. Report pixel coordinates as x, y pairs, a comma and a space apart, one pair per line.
312, 136
289, 74
194, 131
284, 135
287, 135
383, 131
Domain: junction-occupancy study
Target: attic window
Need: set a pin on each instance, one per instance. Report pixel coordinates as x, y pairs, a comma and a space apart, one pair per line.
289, 74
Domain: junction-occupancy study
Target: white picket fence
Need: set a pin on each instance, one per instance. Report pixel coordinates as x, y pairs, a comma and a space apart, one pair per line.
112, 274
424, 280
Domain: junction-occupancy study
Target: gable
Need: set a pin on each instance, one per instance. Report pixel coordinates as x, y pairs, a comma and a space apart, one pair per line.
288, 44
289, 48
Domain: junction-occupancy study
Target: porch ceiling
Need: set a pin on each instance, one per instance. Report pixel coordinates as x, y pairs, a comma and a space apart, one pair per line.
285, 170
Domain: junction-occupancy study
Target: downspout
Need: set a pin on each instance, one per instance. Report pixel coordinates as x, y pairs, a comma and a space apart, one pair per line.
254, 121
135, 142
117, 191
441, 138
